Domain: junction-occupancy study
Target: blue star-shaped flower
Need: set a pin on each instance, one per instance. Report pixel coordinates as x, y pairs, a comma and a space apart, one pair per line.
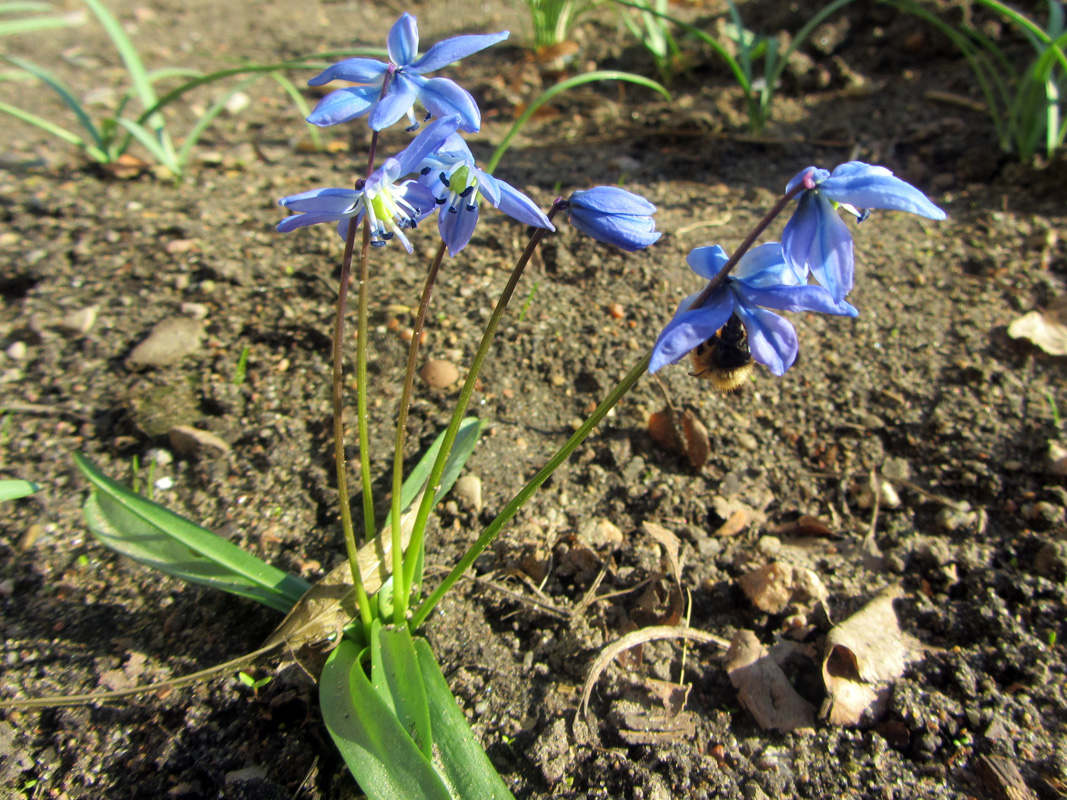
406, 81
761, 278
391, 207
451, 174
614, 216
815, 235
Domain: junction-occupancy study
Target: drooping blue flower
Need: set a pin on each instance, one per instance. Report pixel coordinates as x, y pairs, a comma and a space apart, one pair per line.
454, 178
761, 278
407, 83
815, 236
614, 216
391, 207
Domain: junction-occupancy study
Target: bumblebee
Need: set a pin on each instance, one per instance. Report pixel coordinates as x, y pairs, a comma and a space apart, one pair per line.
724, 359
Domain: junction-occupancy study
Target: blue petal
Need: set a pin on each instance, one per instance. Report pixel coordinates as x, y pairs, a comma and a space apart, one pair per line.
816, 238
689, 328
443, 97
357, 70
399, 99
518, 206
321, 201
795, 298
303, 220
771, 338
627, 232
417, 196
867, 186
343, 105
457, 226
403, 40
612, 200
451, 50
488, 186
428, 141
764, 266
707, 262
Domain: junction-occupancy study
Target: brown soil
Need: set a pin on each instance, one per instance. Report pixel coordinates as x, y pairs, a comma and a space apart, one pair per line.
925, 383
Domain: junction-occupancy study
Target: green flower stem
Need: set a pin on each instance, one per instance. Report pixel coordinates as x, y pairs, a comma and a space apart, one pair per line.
512, 508
718, 280
419, 530
361, 382
400, 584
351, 547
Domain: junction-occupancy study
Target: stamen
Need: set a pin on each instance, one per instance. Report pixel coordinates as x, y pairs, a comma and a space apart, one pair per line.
472, 206
441, 200
412, 128
452, 210
424, 171
428, 117
445, 180
466, 192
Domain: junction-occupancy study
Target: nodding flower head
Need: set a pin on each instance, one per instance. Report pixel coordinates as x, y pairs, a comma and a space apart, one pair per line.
816, 238
388, 92
457, 182
760, 281
390, 207
614, 216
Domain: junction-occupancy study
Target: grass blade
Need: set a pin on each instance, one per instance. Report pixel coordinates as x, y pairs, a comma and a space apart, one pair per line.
65, 94
150, 534
94, 152
209, 116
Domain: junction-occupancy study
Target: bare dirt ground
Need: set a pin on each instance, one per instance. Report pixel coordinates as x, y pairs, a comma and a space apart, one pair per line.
925, 389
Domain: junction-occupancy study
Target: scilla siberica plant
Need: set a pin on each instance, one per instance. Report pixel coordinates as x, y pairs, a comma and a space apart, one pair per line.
733, 307
383, 697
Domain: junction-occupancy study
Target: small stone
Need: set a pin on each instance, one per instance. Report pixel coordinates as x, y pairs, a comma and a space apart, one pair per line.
17, 351
617, 310
439, 374
468, 491
7, 587
196, 311
1051, 560
170, 341
79, 322
769, 546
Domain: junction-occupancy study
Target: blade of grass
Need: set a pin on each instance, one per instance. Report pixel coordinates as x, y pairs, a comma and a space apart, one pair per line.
94, 152
65, 94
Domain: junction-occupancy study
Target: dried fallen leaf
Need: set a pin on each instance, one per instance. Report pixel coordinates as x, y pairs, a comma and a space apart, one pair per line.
681, 433
763, 688
775, 587
670, 544
608, 654
1043, 329
864, 655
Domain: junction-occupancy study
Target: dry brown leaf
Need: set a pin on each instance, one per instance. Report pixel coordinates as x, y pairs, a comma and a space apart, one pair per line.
670, 544
763, 688
1043, 330
695, 436
328, 605
775, 587
608, 654
864, 655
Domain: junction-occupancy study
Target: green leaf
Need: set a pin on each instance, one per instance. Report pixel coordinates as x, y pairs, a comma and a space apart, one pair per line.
14, 489
65, 94
464, 765
396, 671
15, 26
375, 746
142, 530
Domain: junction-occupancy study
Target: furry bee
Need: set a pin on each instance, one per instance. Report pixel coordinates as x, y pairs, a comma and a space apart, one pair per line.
724, 359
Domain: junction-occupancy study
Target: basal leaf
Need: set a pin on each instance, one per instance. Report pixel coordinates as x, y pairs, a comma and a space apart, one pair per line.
150, 534
378, 751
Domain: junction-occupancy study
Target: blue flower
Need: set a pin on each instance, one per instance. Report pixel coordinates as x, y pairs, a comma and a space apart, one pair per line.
614, 216
815, 235
456, 182
761, 278
406, 81
390, 207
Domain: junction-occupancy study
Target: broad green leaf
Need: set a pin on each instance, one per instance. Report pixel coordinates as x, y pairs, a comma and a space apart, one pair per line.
378, 751
14, 489
396, 670
458, 756
132, 525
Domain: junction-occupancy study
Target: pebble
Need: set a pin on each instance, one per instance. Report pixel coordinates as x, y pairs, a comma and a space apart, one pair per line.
79, 322
188, 441
169, 341
17, 351
468, 491
194, 310
439, 374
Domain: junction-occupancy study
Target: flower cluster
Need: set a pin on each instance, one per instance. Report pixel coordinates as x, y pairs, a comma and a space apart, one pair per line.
815, 242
